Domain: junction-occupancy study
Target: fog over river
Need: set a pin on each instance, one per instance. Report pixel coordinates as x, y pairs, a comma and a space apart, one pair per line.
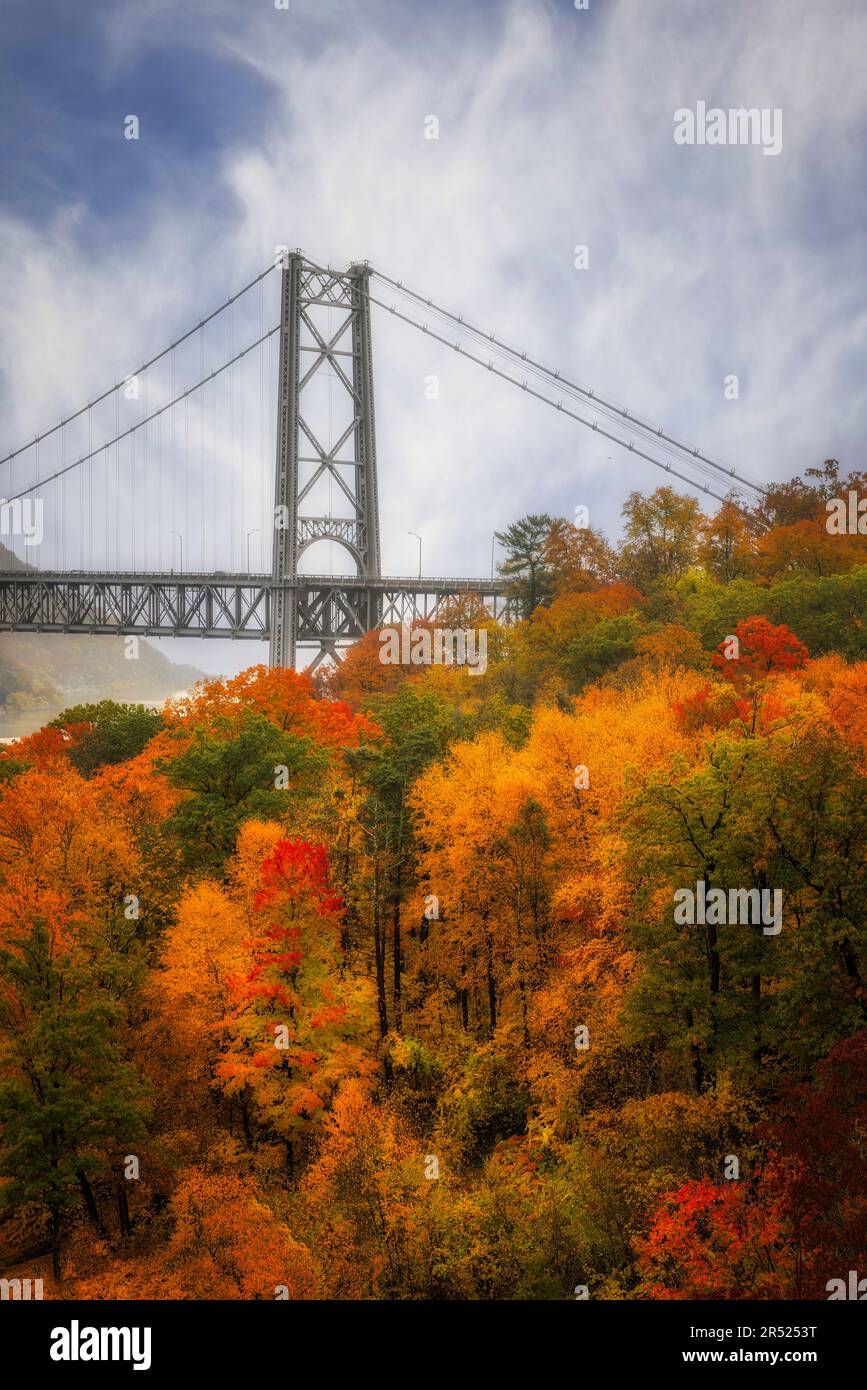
17, 723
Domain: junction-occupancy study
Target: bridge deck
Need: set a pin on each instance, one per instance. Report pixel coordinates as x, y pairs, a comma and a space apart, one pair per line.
330, 608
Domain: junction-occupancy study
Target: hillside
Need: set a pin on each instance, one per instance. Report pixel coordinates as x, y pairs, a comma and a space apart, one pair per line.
542, 980
41, 669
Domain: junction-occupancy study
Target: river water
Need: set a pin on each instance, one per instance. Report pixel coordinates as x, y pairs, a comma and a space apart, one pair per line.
17, 723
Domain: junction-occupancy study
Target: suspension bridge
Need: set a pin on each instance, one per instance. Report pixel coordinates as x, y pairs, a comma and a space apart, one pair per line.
197, 452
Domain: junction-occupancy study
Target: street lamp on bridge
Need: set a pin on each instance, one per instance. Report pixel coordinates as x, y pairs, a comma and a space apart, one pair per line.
418, 538
254, 532
181, 539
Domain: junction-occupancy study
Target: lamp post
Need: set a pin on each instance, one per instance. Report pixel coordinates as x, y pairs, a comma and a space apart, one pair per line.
418, 538
493, 543
254, 532
181, 539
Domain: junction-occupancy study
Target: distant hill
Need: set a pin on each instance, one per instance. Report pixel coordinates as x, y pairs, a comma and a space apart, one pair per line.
40, 668
43, 668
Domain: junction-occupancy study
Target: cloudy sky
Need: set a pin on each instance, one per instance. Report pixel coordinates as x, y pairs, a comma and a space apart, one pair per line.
262, 126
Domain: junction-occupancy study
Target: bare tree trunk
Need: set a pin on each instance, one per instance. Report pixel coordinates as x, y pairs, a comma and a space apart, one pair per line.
522, 990
245, 1120
55, 1243
396, 948
123, 1208
379, 952
489, 966
90, 1204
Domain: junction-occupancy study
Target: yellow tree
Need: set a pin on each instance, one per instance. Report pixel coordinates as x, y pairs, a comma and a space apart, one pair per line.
580, 764
487, 866
726, 543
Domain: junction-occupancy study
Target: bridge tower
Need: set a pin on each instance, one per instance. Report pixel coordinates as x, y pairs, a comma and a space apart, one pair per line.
323, 491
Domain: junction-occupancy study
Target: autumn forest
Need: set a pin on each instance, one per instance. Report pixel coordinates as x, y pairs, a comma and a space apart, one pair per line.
369, 984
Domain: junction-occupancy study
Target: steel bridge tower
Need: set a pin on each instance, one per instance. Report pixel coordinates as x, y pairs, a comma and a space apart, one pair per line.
306, 469
325, 489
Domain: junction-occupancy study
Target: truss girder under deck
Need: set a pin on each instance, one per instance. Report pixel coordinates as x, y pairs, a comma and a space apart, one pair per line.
332, 611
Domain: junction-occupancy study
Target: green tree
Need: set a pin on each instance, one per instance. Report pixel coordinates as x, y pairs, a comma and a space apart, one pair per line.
416, 727
602, 647
825, 611
697, 990
525, 542
113, 733
786, 812
660, 536
240, 768
70, 1104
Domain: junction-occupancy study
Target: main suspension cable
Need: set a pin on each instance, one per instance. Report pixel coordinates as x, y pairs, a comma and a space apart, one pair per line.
548, 400
146, 419
37, 439
693, 454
